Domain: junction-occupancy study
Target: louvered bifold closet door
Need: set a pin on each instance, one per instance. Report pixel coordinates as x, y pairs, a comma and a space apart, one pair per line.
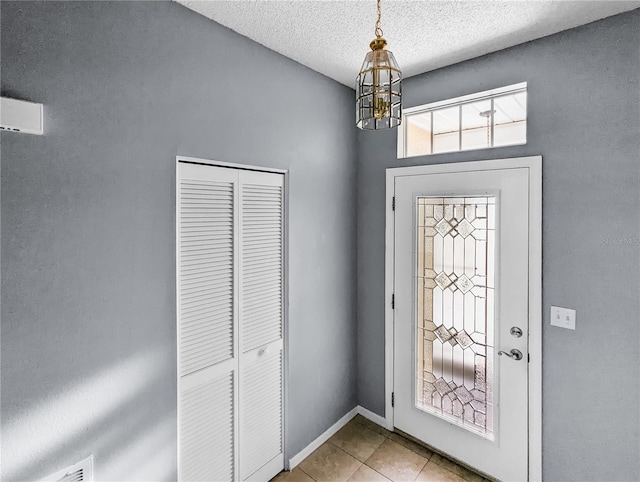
261, 324
207, 322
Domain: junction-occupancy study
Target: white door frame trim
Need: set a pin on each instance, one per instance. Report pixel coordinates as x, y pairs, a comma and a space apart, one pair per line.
534, 164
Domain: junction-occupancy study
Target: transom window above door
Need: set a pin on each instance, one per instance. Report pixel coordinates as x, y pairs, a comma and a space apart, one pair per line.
492, 118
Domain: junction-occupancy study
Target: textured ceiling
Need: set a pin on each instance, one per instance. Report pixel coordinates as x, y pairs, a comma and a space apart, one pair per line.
332, 36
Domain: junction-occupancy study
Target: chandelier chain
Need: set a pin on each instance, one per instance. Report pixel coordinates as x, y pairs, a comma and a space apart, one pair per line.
378, 86
379, 31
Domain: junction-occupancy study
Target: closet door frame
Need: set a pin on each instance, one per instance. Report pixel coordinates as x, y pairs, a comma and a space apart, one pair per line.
285, 292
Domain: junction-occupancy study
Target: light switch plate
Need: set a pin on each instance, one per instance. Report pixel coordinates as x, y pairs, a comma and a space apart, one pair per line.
563, 317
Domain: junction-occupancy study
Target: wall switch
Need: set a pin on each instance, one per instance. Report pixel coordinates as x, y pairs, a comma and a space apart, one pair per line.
563, 317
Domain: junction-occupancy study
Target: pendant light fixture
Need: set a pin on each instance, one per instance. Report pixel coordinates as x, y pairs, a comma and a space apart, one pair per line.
379, 87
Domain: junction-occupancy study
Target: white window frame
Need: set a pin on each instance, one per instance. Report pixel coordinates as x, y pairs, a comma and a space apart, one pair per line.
465, 99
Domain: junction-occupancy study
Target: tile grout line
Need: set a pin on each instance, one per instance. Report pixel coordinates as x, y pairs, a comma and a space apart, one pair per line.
414, 451
339, 448
302, 470
342, 450
420, 471
443, 457
367, 428
393, 441
457, 465
428, 459
386, 435
418, 474
443, 468
377, 471
362, 463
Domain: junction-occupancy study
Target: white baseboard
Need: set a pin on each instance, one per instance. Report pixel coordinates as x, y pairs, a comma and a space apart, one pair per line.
375, 418
326, 435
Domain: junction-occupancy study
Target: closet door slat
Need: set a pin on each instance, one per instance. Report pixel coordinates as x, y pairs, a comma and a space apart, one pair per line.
261, 316
207, 324
206, 431
221, 290
261, 419
261, 262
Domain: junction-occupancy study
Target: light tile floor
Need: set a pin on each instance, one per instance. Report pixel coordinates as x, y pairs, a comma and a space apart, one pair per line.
364, 451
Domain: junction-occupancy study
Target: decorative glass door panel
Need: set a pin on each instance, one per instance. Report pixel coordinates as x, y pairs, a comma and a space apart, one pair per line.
454, 330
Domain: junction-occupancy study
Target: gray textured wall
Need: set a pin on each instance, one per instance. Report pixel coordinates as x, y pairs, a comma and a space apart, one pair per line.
88, 250
584, 119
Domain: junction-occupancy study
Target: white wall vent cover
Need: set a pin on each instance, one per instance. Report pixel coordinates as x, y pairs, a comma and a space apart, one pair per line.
80, 472
21, 116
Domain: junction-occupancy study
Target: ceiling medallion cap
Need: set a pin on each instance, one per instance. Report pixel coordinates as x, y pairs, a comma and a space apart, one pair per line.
378, 43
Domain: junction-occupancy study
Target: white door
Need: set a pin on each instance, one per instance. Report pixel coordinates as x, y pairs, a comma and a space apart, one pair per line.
260, 322
461, 297
230, 313
207, 327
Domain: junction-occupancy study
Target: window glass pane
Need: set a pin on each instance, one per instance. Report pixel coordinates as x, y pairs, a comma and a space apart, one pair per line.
446, 129
454, 325
476, 121
476, 125
418, 131
510, 119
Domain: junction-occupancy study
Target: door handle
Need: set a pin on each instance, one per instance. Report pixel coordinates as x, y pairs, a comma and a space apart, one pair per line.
513, 354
